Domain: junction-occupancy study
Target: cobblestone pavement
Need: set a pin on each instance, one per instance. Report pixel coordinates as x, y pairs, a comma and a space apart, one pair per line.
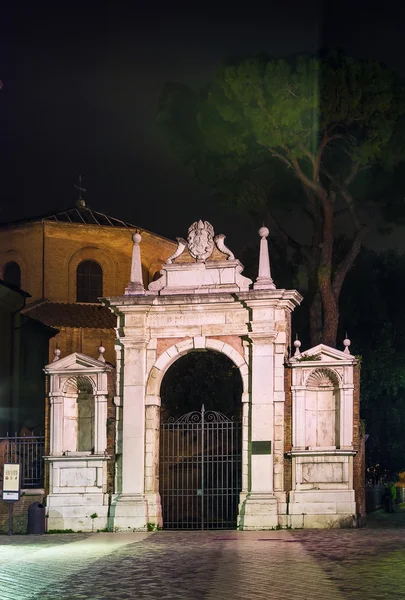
353, 564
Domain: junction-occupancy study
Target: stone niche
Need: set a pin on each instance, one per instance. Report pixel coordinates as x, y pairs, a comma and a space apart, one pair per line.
322, 438
77, 459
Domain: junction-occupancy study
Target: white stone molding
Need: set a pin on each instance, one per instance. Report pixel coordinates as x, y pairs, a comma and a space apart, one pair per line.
69, 375
203, 276
322, 475
170, 355
78, 479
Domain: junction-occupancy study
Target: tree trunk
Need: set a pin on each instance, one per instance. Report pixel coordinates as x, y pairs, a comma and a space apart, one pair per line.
330, 321
315, 319
328, 299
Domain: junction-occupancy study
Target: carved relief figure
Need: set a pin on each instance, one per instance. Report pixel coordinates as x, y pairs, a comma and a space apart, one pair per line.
201, 240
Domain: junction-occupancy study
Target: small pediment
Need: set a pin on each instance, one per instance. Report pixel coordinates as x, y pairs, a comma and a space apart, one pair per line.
77, 362
324, 354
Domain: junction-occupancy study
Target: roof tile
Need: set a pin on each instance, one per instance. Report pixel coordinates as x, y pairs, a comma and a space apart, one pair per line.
59, 314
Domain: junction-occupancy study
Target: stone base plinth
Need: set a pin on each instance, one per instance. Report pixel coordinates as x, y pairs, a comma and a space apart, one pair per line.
128, 512
79, 512
257, 512
322, 508
154, 508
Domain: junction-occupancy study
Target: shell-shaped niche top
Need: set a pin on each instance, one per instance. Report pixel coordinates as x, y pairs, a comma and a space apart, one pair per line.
200, 243
322, 378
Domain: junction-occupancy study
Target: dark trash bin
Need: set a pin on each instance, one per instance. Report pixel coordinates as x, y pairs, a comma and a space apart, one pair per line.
36, 518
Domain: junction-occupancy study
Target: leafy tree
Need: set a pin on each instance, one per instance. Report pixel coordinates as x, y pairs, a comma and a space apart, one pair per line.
371, 311
307, 136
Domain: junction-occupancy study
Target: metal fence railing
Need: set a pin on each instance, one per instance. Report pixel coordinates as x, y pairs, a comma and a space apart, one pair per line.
29, 452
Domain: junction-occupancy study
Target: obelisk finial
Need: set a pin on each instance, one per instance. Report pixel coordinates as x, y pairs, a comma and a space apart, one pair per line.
264, 280
135, 286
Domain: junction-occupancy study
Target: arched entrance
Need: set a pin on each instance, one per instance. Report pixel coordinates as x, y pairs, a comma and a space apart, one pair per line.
200, 451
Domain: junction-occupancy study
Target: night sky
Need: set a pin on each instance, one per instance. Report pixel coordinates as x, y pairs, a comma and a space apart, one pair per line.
81, 85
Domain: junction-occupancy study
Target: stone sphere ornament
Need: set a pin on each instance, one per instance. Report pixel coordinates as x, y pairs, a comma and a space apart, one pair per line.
137, 238
264, 232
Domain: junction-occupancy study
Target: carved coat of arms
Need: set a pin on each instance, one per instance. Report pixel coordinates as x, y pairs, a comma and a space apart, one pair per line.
200, 241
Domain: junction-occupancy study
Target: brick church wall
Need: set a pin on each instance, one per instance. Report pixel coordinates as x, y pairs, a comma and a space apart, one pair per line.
84, 340
56, 248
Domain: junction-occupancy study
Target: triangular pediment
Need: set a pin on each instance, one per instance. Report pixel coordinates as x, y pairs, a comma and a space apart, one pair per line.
323, 353
77, 362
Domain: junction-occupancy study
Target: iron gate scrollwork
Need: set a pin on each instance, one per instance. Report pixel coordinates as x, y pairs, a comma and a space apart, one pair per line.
200, 471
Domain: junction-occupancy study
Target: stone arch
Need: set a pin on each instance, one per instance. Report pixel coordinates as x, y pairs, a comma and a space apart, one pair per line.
79, 383
103, 258
152, 409
323, 378
169, 356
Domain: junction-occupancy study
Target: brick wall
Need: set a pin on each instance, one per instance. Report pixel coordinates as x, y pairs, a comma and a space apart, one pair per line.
232, 340
20, 511
111, 423
67, 244
86, 341
359, 465
287, 428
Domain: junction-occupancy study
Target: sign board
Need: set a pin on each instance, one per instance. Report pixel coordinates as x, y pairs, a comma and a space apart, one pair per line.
11, 481
261, 447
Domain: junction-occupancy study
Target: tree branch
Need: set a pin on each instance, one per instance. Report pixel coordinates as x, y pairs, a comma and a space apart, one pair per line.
325, 141
313, 209
346, 264
343, 189
352, 175
306, 180
284, 159
286, 238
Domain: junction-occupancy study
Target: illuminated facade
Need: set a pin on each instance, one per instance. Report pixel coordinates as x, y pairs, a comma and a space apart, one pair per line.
299, 459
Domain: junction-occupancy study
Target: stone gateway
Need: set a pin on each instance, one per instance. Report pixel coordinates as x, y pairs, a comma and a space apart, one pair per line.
300, 414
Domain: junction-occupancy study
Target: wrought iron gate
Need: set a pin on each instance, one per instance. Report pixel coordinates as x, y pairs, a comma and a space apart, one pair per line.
200, 471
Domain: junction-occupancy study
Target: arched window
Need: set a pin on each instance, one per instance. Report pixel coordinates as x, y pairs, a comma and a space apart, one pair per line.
12, 274
89, 281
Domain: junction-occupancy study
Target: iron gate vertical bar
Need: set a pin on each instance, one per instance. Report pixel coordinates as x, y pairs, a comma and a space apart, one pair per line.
206, 443
202, 465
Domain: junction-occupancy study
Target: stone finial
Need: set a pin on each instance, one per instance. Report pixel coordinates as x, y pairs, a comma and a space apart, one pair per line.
181, 245
56, 354
297, 346
346, 344
101, 351
264, 280
220, 244
135, 285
